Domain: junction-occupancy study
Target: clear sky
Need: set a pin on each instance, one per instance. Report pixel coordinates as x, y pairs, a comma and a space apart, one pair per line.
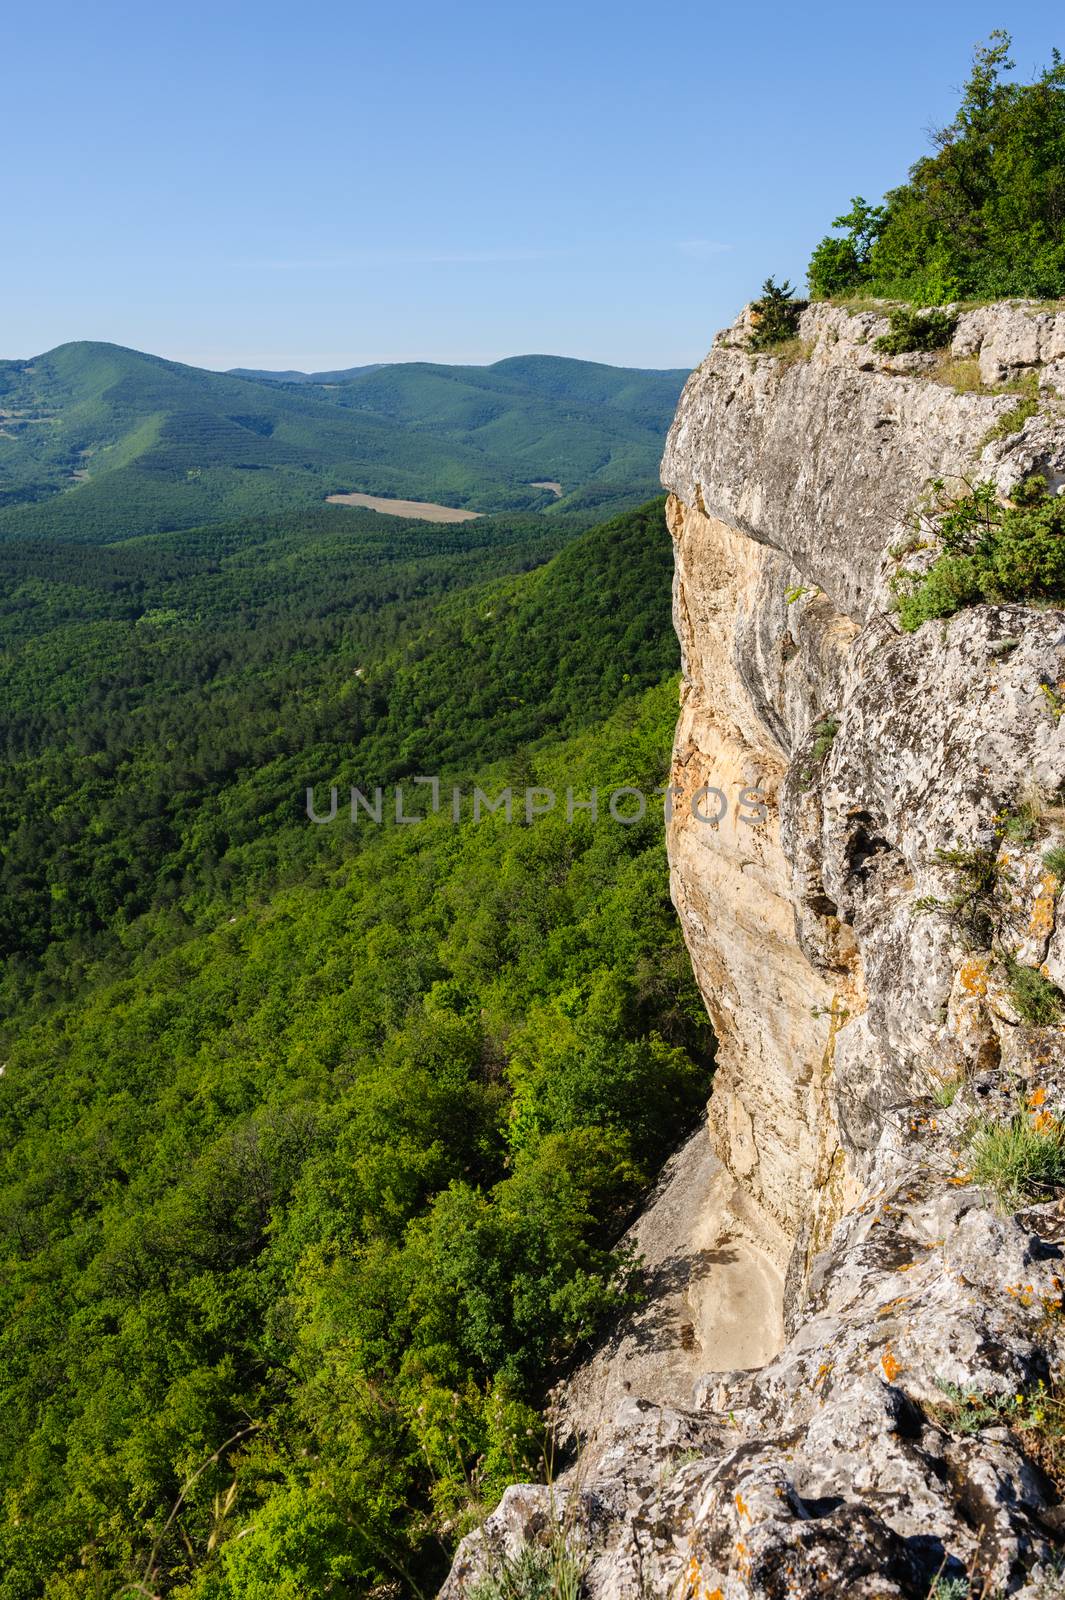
326, 182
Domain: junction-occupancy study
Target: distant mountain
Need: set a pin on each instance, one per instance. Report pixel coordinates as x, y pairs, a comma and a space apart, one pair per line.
263, 376
99, 443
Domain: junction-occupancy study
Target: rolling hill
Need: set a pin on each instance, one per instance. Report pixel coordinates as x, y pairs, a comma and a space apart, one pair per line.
99, 443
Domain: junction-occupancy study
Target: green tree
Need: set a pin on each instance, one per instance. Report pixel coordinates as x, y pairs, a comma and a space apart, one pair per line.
840, 266
775, 315
984, 216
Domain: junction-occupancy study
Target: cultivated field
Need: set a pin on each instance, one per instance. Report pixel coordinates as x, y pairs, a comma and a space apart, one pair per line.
422, 510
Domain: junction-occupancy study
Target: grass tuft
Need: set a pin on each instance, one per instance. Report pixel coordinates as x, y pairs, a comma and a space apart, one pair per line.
1020, 1159
825, 730
944, 1091
1012, 421
1036, 1000
537, 1572
960, 373
793, 352
1022, 824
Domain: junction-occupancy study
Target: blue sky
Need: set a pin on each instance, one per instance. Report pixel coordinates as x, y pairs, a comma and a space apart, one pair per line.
321, 184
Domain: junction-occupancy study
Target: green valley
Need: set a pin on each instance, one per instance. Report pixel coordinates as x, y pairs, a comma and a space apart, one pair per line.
321, 1127
316, 1141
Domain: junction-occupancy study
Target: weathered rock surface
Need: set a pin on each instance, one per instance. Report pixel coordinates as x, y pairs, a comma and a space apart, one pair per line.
713, 1302
844, 991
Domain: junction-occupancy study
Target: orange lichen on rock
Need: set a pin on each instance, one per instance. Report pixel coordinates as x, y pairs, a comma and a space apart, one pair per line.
972, 975
1041, 921
693, 1584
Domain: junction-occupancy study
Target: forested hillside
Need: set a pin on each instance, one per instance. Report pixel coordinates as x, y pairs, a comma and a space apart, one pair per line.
166, 704
315, 1141
99, 443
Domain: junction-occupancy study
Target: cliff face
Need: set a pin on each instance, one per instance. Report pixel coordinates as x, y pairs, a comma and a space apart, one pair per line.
791, 486
844, 995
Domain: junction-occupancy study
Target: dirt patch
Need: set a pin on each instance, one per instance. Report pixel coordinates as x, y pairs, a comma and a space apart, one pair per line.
420, 510
547, 483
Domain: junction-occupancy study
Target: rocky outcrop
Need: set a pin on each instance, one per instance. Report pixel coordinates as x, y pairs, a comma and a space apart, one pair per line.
795, 488
899, 1438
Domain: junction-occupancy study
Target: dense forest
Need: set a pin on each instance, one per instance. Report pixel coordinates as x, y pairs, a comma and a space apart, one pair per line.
316, 1142
981, 218
158, 749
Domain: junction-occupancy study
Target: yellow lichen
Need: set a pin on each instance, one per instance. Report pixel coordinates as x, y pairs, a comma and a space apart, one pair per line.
972, 975
1041, 921
891, 1364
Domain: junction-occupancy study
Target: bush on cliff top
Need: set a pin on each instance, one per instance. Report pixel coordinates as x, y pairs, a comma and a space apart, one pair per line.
915, 330
982, 217
991, 552
776, 315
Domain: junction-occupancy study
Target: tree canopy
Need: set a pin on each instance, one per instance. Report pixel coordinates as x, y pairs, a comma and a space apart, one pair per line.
980, 218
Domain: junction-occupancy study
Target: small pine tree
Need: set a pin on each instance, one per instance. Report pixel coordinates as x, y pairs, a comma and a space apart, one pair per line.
776, 315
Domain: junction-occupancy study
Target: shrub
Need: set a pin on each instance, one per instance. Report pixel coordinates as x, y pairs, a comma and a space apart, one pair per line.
1036, 1417
978, 909
1019, 1159
839, 266
776, 315
834, 268
915, 330
1040, 1421
1054, 861
825, 732
991, 552
965, 1411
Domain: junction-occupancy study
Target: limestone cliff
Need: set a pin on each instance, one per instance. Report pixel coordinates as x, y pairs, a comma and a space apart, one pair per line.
848, 1002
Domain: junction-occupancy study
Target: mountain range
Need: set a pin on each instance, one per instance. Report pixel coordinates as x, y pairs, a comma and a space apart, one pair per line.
292, 375
99, 443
